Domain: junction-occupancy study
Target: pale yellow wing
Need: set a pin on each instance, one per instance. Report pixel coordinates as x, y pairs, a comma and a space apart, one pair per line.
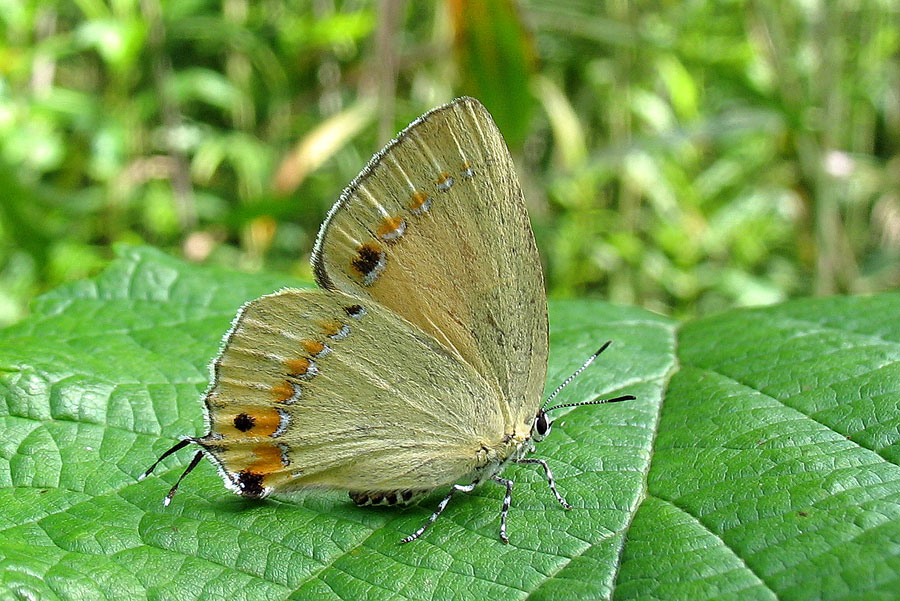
320, 388
435, 228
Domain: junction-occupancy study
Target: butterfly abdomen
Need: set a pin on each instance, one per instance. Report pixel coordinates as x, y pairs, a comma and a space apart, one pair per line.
393, 497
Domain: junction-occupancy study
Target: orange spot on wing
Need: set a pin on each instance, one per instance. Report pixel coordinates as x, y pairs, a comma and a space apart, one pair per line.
418, 200
268, 459
298, 367
331, 327
313, 347
444, 179
284, 391
391, 228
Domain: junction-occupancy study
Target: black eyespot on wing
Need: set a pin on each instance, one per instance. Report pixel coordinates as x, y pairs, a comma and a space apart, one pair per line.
355, 311
391, 498
407, 495
250, 484
244, 422
369, 262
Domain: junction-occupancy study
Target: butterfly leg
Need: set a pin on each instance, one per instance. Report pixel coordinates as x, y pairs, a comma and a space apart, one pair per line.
506, 500
440, 508
550, 481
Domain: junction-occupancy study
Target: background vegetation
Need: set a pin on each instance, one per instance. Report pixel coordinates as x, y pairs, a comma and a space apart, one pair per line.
682, 156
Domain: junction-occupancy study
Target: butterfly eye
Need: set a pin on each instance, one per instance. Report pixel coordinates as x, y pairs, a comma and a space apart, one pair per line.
541, 426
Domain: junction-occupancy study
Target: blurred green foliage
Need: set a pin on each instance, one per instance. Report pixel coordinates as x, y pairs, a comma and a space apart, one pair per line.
683, 156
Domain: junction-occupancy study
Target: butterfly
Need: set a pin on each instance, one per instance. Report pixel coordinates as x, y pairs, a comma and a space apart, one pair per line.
420, 364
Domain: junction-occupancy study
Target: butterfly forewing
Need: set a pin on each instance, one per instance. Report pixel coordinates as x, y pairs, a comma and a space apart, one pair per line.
323, 389
435, 228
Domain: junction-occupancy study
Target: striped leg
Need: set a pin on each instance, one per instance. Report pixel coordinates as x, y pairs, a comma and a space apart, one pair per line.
440, 508
506, 500
550, 481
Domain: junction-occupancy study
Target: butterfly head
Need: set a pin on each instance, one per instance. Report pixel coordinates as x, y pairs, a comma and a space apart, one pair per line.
541, 426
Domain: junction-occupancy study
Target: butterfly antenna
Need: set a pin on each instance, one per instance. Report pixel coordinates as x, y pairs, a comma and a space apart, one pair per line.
578, 371
626, 397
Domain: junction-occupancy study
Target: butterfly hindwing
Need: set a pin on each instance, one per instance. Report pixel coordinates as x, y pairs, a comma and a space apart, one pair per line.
436, 229
320, 388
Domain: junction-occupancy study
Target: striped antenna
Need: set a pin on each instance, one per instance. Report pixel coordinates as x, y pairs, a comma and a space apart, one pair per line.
578, 371
627, 397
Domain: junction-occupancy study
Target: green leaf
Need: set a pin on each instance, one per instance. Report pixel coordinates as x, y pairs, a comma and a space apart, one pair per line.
759, 461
